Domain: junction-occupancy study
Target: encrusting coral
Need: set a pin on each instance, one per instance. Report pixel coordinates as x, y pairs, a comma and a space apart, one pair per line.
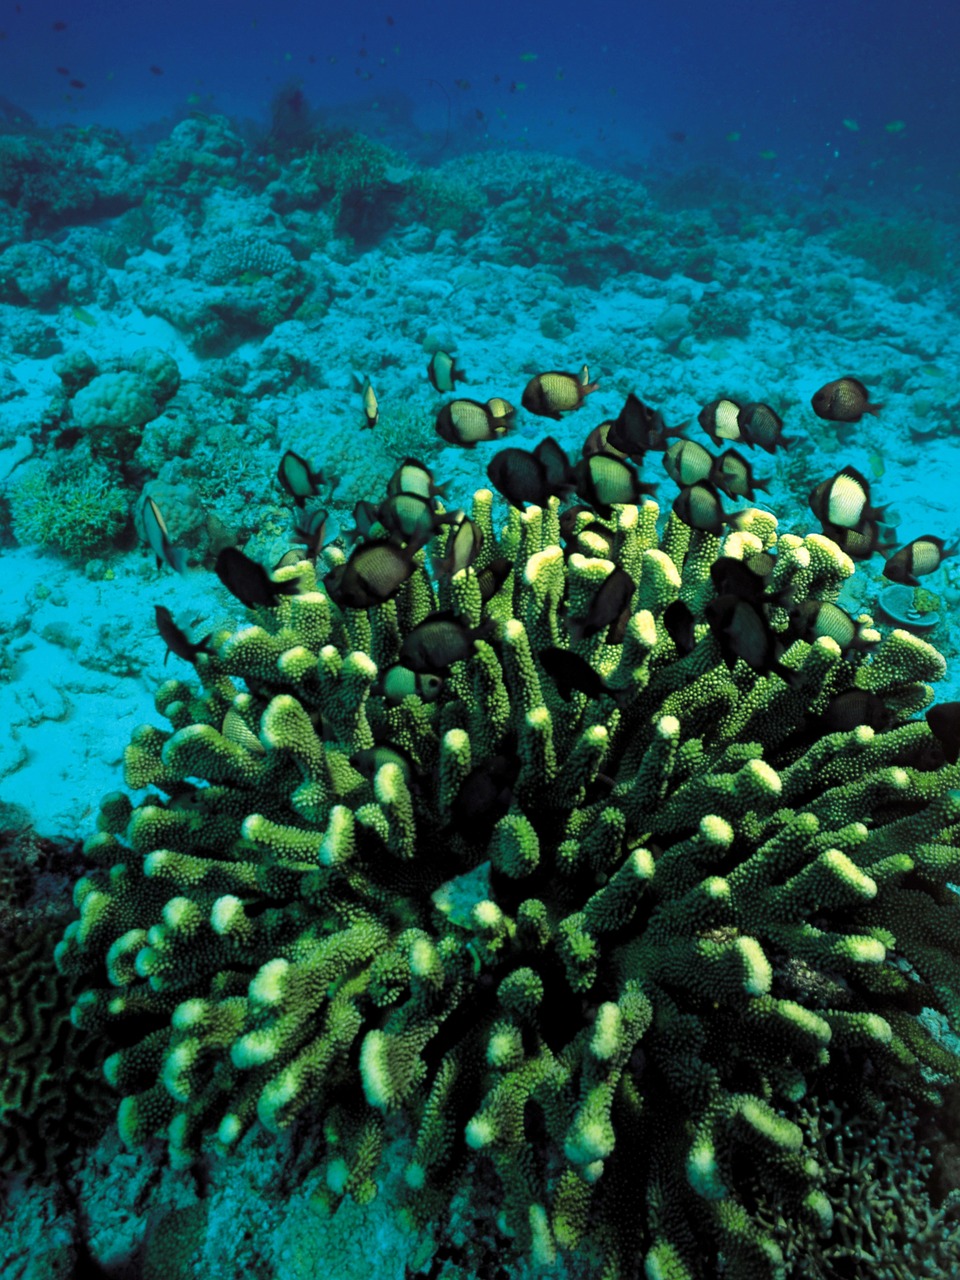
612, 942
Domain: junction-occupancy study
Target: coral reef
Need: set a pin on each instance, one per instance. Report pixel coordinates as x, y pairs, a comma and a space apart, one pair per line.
42, 275
110, 404
231, 286
53, 1099
71, 504
67, 175
894, 249
878, 1173
202, 154
613, 943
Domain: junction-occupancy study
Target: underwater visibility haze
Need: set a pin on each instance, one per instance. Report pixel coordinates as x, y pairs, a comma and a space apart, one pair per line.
479, 580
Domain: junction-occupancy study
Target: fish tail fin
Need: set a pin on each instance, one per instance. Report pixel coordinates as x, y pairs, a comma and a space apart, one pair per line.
176, 558
872, 408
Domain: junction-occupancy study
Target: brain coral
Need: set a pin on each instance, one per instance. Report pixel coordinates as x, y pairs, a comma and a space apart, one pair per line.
52, 1097
611, 944
112, 406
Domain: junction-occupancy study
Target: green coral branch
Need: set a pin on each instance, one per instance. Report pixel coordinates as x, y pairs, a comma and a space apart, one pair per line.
609, 945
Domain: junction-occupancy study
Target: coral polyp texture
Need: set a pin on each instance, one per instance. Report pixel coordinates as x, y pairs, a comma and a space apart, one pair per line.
609, 942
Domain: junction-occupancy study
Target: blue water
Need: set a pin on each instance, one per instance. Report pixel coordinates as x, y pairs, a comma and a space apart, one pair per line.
792, 169
620, 83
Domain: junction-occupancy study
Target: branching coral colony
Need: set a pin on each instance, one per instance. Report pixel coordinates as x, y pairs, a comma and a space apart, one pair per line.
609, 939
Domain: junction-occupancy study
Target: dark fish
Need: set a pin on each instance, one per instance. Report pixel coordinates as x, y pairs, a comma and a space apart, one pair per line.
375, 572
504, 414
59, 26
469, 422
762, 563
298, 477
568, 520
316, 530
944, 722
720, 419
605, 481
812, 619
843, 400
176, 641
549, 395
155, 70
852, 708
844, 500
678, 621
158, 538
639, 428
62, 71
921, 556
520, 476
399, 682
364, 518
699, 506
289, 558
734, 475
492, 577
443, 372
844, 712
557, 466
413, 477
569, 671
762, 426
463, 546
440, 640
742, 631
484, 797
78, 84
732, 577
610, 608
407, 515
249, 581
859, 544
598, 441
688, 462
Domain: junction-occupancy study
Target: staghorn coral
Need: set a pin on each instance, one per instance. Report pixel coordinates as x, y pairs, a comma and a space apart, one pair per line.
609, 944
73, 505
887, 1225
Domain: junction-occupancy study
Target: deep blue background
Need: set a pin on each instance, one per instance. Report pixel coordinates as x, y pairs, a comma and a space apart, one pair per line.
612, 80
